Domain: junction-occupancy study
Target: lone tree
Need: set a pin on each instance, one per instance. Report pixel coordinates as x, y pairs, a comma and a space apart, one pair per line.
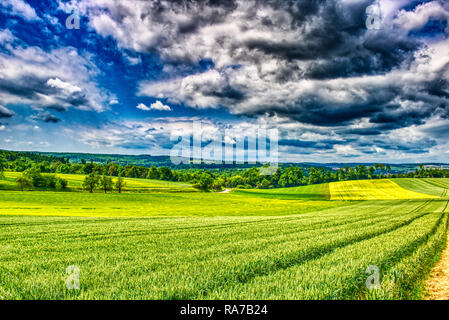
106, 183
91, 182
205, 182
2, 167
2, 171
120, 184
23, 181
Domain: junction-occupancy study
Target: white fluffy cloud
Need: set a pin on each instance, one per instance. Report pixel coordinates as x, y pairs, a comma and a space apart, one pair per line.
65, 86
413, 20
159, 106
143, 107
19, 8
154, 106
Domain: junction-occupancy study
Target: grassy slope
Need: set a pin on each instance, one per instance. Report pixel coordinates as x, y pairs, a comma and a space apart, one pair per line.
312, 192
372, 190
430, 186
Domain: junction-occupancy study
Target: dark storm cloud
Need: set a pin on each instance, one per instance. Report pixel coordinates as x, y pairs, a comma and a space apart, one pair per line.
227, 92
45, 117
25, 87
325, 144
392, 144
5, 113
361, 131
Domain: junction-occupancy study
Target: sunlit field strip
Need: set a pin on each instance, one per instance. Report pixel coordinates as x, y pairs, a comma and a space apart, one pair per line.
372, 190
312, 192
151, 204
176, 259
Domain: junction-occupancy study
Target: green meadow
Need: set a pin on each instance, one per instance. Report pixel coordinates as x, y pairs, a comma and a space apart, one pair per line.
163, 240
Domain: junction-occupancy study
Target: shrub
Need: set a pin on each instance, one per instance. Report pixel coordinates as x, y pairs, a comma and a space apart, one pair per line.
50, 181
61, 184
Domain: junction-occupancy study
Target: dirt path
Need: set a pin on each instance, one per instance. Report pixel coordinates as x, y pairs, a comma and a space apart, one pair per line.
438, 283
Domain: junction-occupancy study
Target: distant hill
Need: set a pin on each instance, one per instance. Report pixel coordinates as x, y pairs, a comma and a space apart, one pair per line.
124, 160
148, 161
160, 161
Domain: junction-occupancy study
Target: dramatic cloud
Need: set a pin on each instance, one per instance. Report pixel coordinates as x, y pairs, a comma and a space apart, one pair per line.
315, 62
334, 87
59, 79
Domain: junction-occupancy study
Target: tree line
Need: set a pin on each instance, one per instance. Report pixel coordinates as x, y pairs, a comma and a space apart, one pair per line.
100, 176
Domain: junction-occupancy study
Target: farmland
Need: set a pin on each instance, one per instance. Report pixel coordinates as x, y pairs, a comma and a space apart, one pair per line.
289, 243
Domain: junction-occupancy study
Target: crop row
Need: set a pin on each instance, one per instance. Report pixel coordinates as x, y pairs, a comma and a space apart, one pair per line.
342, 273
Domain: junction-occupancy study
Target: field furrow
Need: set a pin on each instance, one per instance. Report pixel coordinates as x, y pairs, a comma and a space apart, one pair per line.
329, 277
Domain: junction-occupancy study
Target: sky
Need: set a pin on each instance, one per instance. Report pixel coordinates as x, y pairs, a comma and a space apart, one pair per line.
340, 80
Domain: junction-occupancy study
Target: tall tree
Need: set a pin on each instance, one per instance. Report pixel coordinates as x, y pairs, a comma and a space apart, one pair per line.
153, 173
371, 172
2, 167
91, 182
24, 181
120, 184
106, 183
205, 182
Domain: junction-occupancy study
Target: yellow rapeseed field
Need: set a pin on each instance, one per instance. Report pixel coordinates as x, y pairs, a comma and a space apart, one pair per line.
372, 190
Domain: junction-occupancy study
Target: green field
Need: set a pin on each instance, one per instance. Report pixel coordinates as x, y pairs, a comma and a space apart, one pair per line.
290, 243
311, 192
